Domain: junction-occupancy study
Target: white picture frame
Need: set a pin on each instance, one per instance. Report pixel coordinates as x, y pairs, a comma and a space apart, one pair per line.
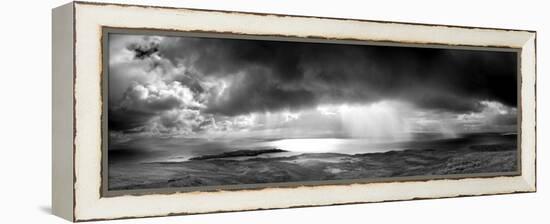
78, 107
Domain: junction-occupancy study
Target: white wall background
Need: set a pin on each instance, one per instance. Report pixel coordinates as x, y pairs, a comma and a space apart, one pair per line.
25, 111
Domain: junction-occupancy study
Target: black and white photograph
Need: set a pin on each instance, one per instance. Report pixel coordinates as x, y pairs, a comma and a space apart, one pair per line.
194, 111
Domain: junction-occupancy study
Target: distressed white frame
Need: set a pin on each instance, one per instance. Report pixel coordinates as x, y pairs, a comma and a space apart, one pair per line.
89, 20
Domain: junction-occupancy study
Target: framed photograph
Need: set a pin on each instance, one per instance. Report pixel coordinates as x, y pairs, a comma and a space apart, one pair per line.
167, 111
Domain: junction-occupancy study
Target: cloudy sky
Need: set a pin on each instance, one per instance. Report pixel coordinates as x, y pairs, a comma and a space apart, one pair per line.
207, 88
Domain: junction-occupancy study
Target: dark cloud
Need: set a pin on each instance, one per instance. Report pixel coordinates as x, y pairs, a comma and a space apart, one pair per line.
143, 50
128, 120
172, 84
255, 91
278, 75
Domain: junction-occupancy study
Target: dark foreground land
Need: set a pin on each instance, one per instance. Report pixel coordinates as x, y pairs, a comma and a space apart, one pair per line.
224, 169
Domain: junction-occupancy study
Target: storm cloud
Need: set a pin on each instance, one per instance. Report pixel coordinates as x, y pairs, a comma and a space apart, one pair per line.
291, 74
189, 84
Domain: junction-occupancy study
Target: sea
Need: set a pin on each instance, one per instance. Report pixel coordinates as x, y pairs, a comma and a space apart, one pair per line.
148, 150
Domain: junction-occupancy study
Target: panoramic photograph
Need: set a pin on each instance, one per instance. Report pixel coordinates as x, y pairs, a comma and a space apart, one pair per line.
187, 111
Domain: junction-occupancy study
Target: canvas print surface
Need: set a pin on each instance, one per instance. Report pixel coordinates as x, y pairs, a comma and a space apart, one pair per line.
195, 111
